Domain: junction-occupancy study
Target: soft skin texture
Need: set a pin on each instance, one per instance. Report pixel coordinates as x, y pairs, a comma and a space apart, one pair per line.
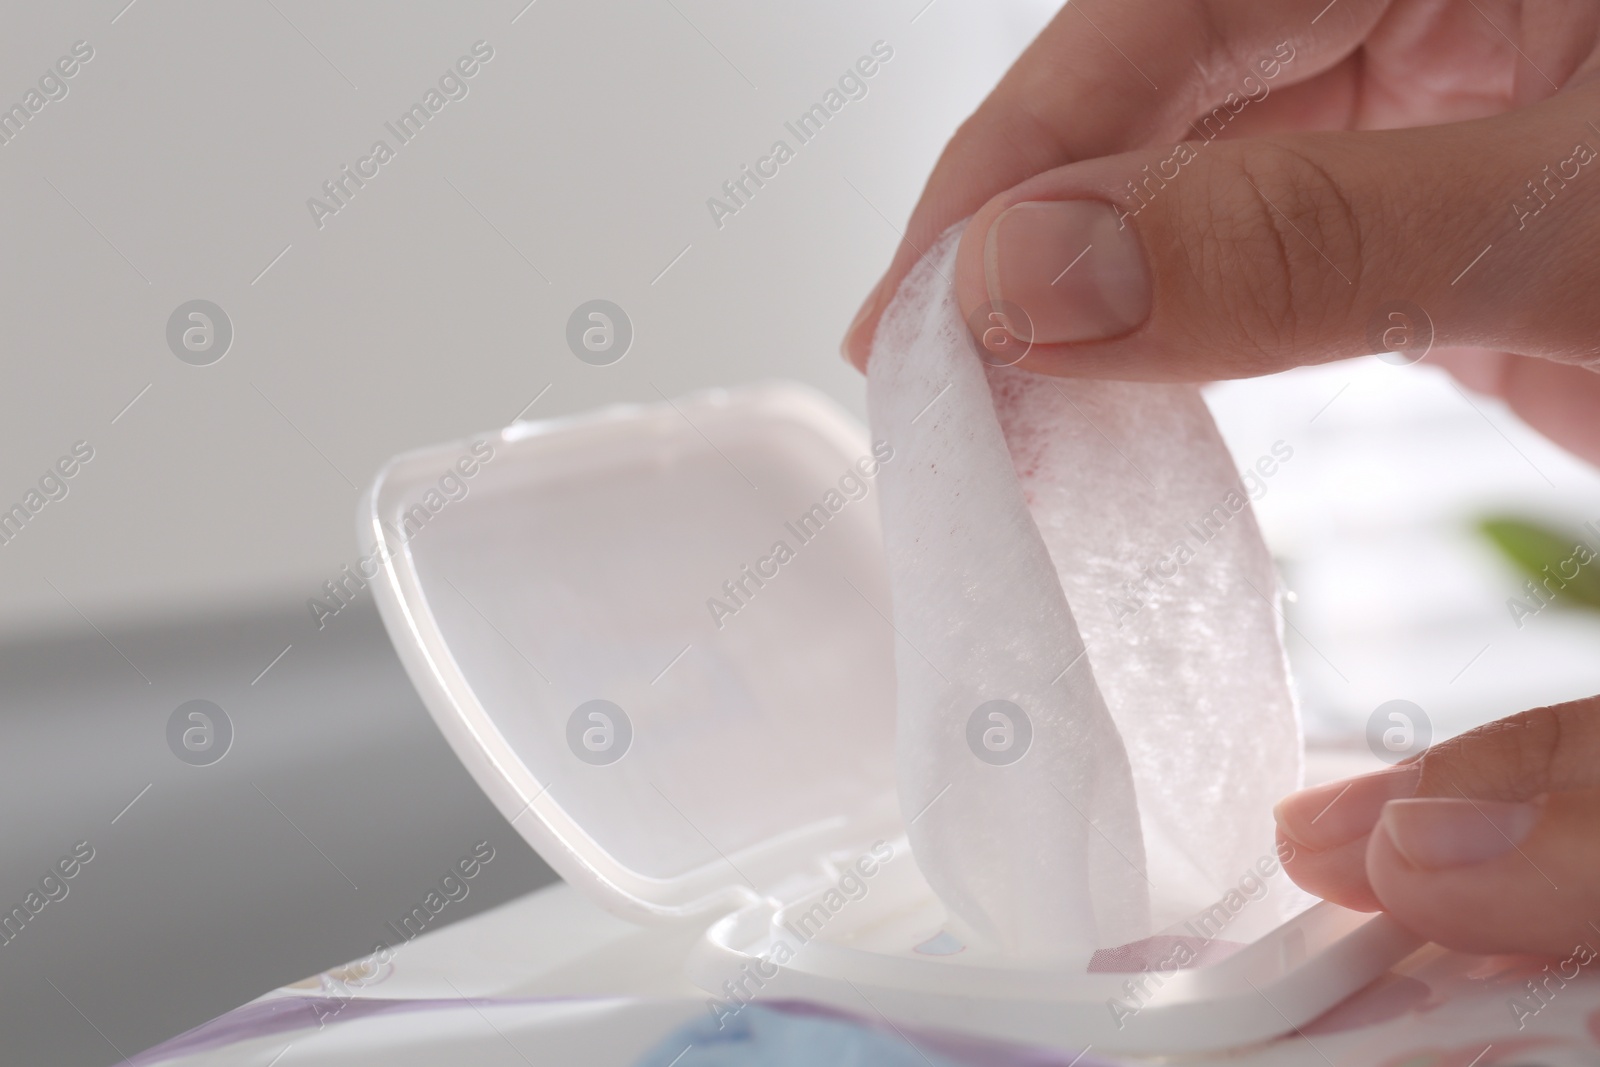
1530, 882
1385, 157
1382, 165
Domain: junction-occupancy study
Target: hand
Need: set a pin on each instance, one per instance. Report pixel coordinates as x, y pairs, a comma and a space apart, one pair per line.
1485, 843
1275, 234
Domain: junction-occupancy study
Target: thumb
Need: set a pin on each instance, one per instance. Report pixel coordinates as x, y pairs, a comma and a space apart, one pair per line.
1227, 258
1485, 844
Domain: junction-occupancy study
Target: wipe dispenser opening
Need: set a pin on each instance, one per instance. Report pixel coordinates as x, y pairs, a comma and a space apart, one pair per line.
627, 565
690, 725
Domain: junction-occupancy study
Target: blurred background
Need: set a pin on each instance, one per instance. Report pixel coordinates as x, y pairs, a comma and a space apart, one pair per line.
188, 157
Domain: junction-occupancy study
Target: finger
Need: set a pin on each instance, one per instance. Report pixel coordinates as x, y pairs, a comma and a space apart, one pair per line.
1492, 876
1330, 827
1557, 399
1222, 259
1106, 77
1324, 831
1338, 874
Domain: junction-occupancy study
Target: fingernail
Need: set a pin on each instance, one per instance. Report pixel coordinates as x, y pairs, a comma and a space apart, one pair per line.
1078, 273
867, 308
1439, 832
1326, 816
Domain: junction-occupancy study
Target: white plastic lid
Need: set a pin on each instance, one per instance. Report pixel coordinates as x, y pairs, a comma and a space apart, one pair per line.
536, 570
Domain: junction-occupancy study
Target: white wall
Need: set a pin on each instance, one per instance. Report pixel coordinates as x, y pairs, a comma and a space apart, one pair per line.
179, 165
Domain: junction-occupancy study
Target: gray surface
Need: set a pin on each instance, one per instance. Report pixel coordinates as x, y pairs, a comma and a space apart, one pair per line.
225, 881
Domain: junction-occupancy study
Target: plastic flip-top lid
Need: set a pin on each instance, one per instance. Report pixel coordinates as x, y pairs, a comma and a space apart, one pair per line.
657, 636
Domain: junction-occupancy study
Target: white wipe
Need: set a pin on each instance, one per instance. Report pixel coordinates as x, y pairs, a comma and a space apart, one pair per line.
1144, 794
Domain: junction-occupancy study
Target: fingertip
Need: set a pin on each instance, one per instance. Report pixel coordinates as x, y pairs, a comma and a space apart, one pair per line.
857, 345
1480, 369
1325, 816
1336, 874
1440, 833
1534, 896
1471, 909
1430, 903
847, 352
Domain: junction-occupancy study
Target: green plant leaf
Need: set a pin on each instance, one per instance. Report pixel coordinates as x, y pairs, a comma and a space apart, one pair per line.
1550, 558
